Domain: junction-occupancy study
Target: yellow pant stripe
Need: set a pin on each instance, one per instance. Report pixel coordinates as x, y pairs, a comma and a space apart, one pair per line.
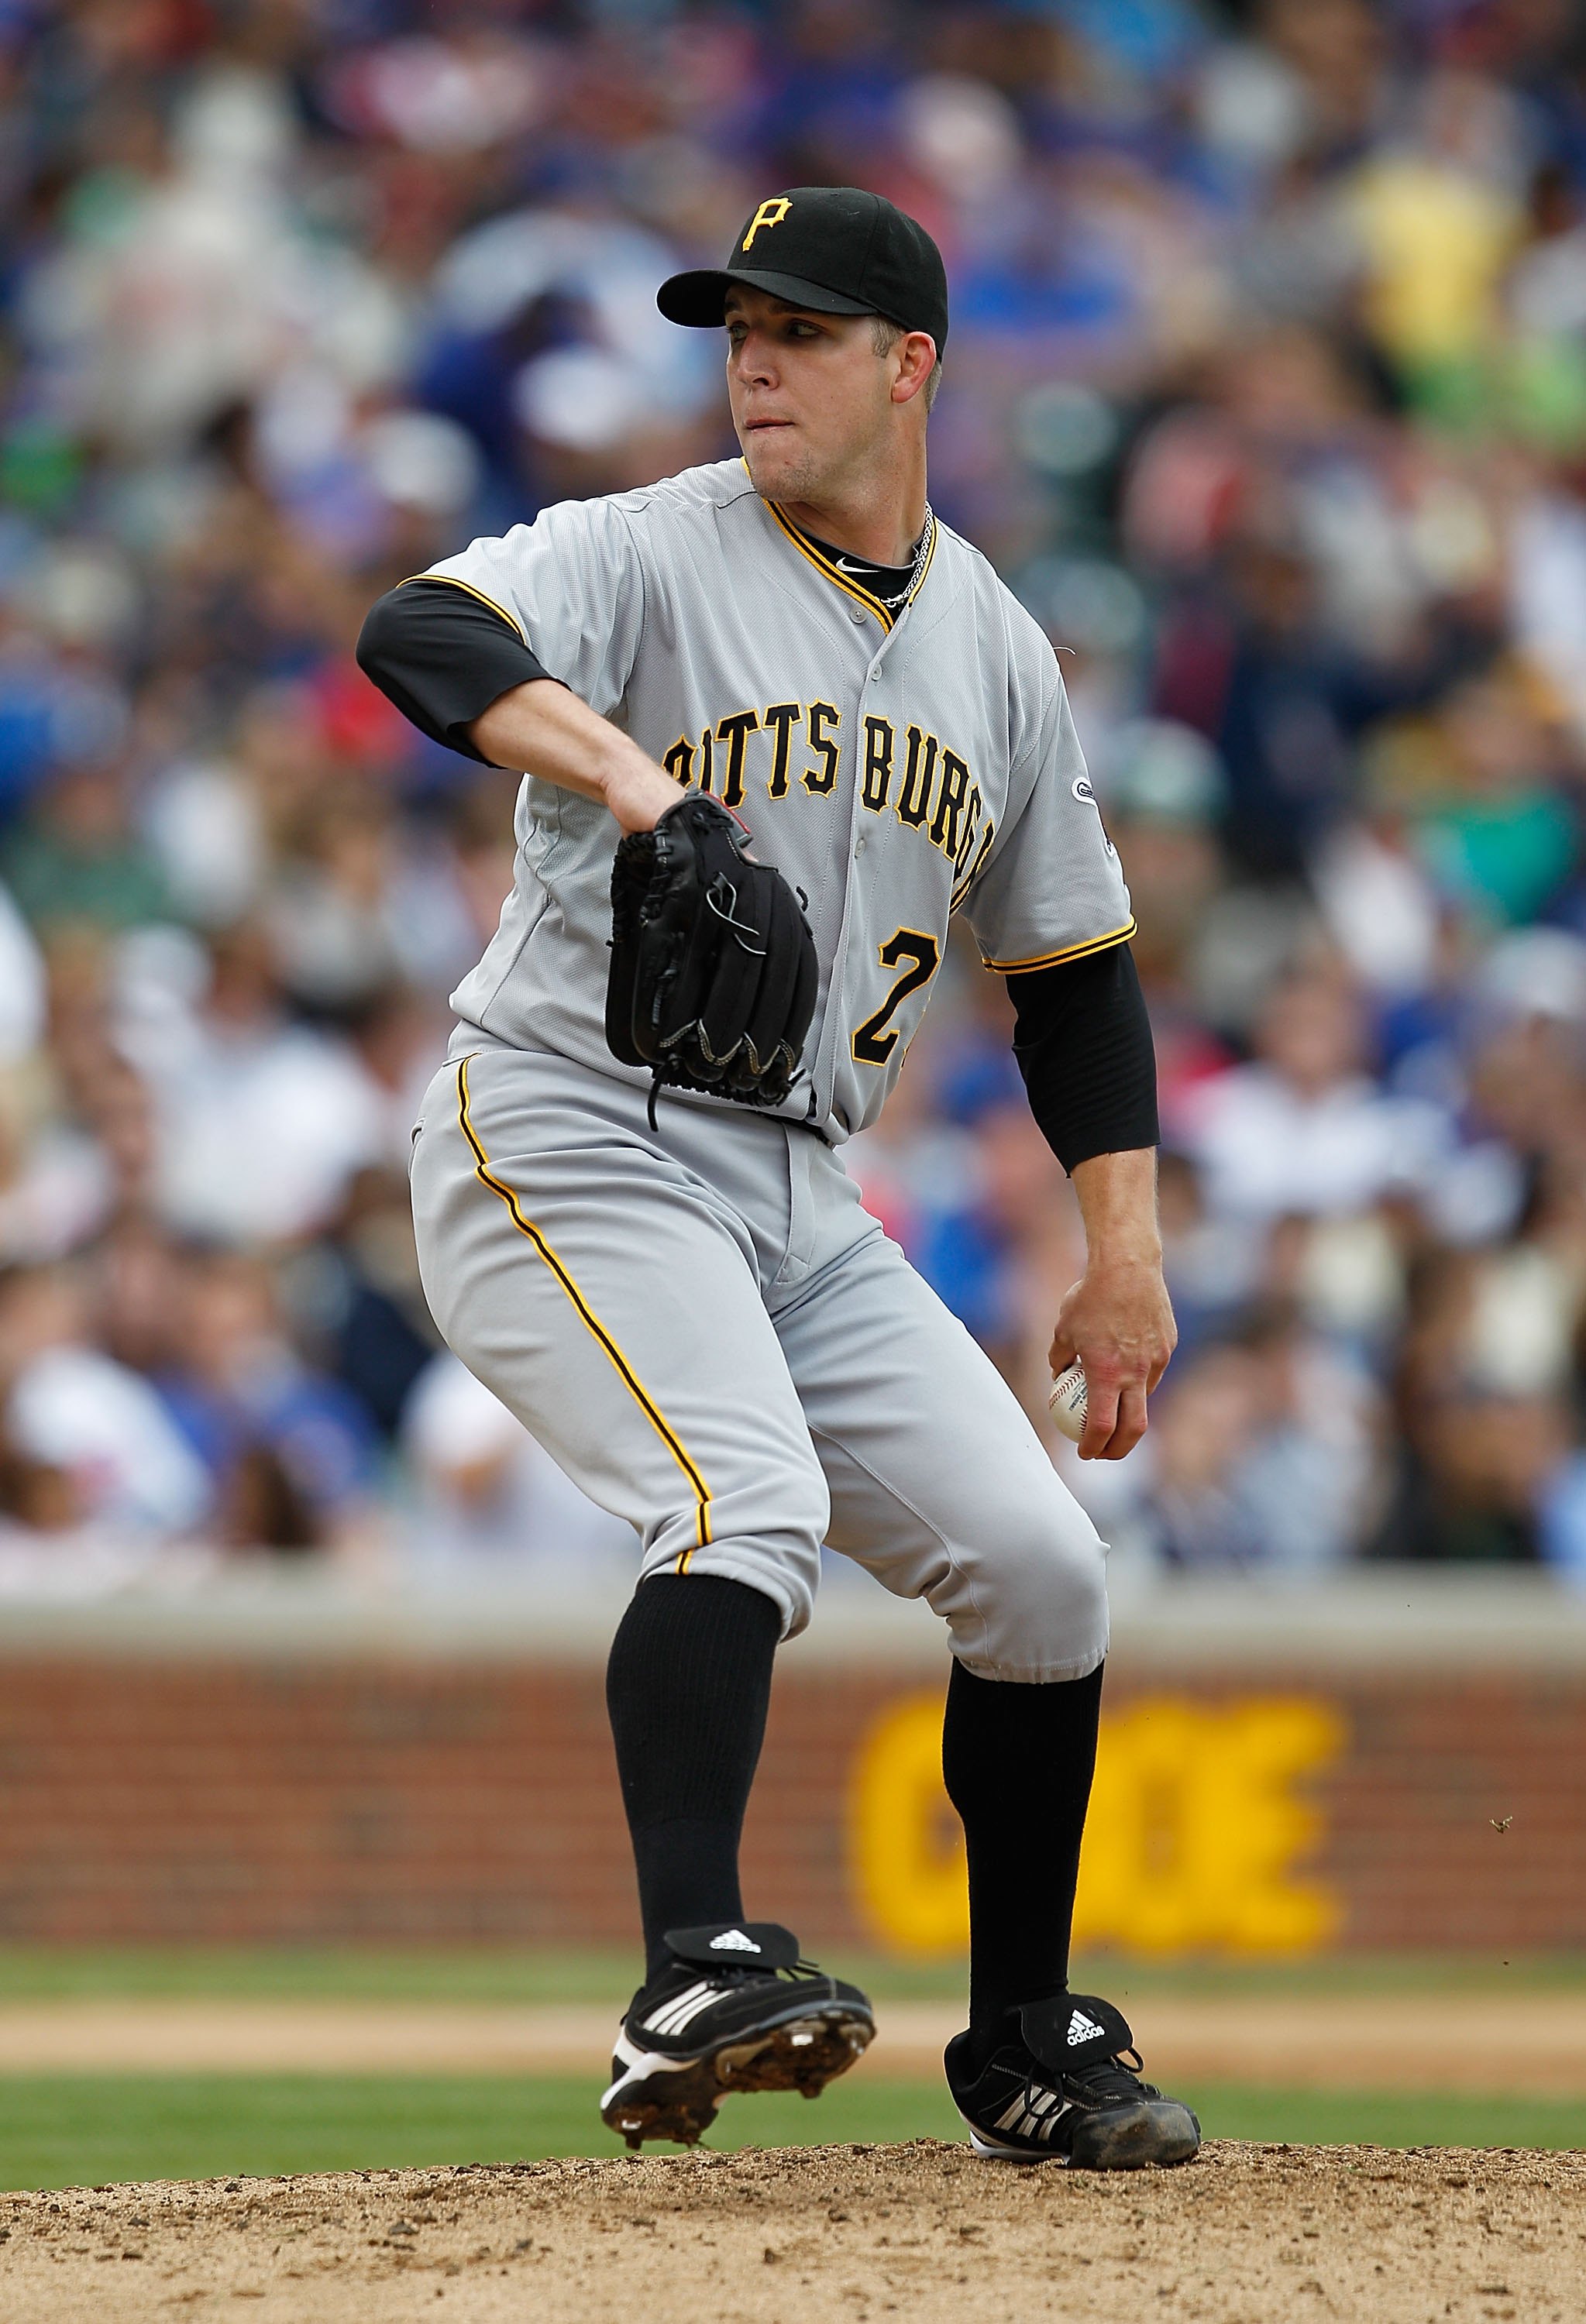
587, 1316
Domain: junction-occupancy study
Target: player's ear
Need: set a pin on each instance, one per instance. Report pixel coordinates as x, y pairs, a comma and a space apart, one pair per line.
915, 356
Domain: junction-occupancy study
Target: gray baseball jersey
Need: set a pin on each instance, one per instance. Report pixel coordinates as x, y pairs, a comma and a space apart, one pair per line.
698, 1318
893, 768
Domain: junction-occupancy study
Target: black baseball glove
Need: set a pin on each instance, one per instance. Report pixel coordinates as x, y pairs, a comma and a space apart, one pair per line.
713, 974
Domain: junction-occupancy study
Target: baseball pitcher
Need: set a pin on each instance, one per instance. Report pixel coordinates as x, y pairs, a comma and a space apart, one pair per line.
779, 725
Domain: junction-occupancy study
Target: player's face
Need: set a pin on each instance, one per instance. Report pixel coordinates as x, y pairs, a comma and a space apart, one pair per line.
811, 397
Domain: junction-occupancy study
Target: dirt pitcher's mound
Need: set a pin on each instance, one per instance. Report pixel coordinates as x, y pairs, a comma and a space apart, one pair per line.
1257, 2234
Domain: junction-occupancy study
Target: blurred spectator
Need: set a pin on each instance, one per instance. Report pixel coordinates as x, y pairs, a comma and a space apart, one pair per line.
1005, 1254
1303, 1128
22, 987
261, 1120
362, 1301
290, 1452
116, 1459
1499, 830
1212, 1264
76, 857
1306, 1482
1200, 1430
1162, 791
1262, 1452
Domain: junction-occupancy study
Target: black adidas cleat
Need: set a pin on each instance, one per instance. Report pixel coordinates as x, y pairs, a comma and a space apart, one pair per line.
1056, 2090
735, 2010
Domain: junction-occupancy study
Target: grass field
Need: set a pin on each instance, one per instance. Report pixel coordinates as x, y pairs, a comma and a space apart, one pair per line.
70, 2130
507, 1974
65, 2129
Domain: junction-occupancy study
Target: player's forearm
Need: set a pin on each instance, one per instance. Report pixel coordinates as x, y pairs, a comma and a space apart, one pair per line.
547, 731
1117, 1196
1117, 1320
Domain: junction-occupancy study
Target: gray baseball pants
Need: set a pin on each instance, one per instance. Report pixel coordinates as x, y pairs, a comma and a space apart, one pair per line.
707, 1330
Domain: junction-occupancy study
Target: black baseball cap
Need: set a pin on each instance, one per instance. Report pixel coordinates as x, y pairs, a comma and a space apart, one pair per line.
834, 249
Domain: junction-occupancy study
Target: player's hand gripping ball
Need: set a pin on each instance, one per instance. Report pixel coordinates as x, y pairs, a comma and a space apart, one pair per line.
1067, 1403
713, 970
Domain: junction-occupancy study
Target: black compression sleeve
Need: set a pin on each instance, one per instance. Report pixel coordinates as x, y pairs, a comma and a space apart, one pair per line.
1083, 1040
442, 656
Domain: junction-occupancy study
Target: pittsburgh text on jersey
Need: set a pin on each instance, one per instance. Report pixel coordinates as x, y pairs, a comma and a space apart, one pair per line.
927, 787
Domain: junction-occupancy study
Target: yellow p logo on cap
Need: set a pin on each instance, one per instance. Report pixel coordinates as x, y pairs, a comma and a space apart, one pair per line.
769, 213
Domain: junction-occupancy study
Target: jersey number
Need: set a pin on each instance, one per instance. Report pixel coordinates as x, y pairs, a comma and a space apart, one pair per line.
874, 1042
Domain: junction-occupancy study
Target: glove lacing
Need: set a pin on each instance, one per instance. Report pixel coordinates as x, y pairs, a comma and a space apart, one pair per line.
740, 930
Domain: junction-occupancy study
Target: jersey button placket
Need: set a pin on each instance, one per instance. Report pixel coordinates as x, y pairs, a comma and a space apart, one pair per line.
834, 1035
834, 1045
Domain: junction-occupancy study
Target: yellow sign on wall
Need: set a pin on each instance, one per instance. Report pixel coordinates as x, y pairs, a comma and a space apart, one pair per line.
1196, 1836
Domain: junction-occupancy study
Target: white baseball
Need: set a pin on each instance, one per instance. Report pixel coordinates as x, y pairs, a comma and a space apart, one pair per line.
1067, 1404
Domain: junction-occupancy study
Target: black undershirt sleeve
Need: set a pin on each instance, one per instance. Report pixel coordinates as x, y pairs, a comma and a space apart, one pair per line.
1083, 1040
443, 656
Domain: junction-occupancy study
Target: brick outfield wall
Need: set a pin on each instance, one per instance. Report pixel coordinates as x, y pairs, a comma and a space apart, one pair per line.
230, 1800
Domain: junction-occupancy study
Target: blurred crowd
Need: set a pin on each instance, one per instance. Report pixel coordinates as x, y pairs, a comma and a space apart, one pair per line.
1267, 392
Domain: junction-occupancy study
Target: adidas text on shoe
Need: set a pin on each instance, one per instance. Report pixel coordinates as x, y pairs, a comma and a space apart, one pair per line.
1057, 2089
734, 2009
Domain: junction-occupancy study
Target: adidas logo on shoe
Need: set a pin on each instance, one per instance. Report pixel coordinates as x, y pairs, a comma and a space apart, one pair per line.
734, 1941
1081, 2028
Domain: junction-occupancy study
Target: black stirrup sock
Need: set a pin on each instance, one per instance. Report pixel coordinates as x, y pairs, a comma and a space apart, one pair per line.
687, 1687
1018, 1761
